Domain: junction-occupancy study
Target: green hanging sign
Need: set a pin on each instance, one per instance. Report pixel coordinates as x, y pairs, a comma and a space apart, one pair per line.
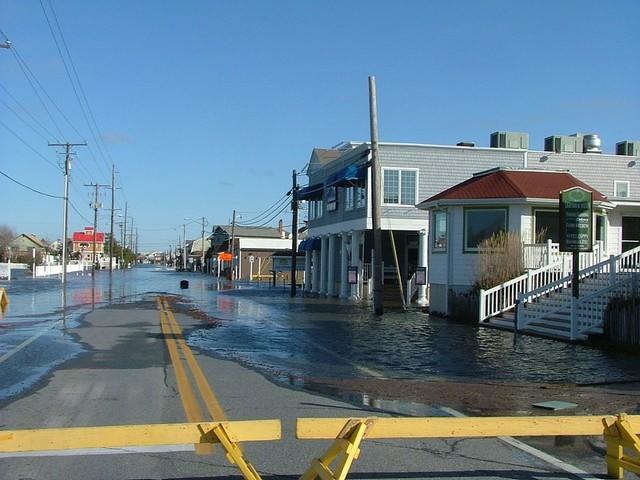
576, 220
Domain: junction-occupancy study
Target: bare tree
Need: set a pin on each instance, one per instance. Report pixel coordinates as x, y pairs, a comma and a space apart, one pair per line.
6, 235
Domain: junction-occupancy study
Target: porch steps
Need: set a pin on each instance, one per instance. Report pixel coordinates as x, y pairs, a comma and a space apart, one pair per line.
558, 324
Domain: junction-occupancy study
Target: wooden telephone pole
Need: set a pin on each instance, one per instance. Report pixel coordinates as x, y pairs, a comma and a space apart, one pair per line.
376, 261
294, 240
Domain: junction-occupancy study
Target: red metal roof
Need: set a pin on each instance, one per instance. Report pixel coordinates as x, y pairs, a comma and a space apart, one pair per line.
514, 184
87, 236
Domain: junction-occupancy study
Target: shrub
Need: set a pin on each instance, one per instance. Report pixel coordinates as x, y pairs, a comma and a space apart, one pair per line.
500, 259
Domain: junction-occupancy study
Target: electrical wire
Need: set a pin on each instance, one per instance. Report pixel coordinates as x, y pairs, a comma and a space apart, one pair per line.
29, 146
35, 120
28, 187
84, 108
260, 218
80, 214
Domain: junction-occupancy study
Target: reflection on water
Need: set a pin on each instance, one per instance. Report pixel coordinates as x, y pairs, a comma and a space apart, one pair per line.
284, 337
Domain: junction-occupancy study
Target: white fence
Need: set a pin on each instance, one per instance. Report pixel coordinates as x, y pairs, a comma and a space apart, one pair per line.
49, 270
5, 271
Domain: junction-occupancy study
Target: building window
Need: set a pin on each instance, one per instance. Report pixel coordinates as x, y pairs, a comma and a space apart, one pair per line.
315, 209
331, 197
399, 186
547, 226
349, 199
439, 231
481, 224
361, 196
621, 189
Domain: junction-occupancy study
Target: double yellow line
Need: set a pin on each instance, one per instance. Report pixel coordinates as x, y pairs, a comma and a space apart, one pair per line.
180, 354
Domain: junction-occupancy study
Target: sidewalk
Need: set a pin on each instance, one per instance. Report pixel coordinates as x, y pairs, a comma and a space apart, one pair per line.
126, 378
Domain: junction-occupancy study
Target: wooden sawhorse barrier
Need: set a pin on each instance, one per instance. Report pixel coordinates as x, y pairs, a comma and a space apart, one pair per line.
228, 434
623, 444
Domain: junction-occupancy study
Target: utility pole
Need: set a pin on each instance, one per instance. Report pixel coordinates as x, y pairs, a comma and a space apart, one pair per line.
95, 205
113, 196
65, 215
294, 240
184, 248
202, 261
131, 246
233, 242
124, 234
376, 261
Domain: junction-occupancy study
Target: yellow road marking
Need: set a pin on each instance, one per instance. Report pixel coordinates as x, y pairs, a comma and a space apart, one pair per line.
187, 396
209, 397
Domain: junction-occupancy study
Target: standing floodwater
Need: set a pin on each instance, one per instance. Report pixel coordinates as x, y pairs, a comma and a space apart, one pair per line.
284, 337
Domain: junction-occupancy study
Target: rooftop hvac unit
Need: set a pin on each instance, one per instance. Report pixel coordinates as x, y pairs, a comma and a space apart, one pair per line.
628, 148
515, 140
561, 144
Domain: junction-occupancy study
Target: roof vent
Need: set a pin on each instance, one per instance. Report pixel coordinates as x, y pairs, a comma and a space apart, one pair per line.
515, 140
591, 143
629, 148
465, 144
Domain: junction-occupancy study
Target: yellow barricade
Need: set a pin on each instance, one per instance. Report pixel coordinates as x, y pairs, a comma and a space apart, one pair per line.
4, 299
225, 433
348, 433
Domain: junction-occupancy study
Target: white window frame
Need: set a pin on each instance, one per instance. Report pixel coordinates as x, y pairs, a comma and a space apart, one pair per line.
400, 170
360, 196
621, 182
434, 248
349, 198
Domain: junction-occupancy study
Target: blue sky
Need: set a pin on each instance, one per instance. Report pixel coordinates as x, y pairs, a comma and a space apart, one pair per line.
208, 106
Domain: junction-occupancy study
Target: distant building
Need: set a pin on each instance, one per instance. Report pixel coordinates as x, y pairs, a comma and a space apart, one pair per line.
254, 248
25, 243
83, 244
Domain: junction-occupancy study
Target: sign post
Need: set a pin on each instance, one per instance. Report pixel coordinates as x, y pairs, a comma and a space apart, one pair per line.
576, 227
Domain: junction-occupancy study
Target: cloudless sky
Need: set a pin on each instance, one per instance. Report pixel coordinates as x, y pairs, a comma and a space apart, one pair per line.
208, 106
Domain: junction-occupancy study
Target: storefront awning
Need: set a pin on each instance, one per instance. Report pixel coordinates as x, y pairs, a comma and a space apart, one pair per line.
312, 192
347, 176
310, 244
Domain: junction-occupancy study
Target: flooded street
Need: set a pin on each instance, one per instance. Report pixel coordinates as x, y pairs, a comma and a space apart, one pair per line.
290, 339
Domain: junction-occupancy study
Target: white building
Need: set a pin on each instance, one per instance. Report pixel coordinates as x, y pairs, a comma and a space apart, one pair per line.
339, 199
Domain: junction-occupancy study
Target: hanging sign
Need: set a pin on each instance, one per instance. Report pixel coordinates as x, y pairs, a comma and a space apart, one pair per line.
576, 220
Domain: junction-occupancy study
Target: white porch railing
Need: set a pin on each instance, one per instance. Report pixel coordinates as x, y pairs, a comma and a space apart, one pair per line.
537, 255
585, 312
502, 298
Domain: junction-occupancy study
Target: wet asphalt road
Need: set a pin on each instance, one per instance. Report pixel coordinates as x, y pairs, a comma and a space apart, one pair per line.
289, 338
123, 376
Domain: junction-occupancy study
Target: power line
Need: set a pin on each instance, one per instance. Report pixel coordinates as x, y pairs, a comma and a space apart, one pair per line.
77, 78
78, 212
25, 68
29, 146
30, 188
260, 218
35, 120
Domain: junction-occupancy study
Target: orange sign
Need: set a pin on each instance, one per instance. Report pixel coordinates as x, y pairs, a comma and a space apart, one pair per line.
225, 256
